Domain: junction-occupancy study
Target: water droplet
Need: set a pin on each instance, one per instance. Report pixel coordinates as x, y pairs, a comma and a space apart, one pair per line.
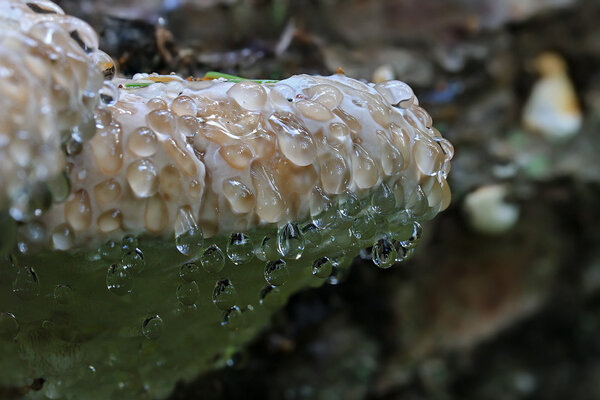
9, 326
187, 293
119, 280
110, 251
60, 187
383, 200
384, 253
233, 318
224, 294
417, 232
63, 294
189, 272
322, 267
268, 249
402, 253
190, 242
270, 297
323, 213
153, 327
129, 243
364, 227
134, 261
276, 272
312, 235
213, 259
31, 202
349, 204
26, 285
239, 248
109, 94
290, 241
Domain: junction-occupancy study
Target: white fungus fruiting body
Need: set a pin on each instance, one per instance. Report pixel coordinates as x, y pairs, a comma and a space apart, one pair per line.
488, 212
240, 155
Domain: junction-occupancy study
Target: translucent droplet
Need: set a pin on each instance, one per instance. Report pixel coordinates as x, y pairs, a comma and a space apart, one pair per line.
322, 267
129, 243
270, 297
190, 272
417, 232
323, 213
134, 261
32, 237
239, 248
187, 293
110, 251
119, 279
153, 327
109, 94
9, 326
60, 187
26, 285
213, 259
349, 204
290, 241
384, 253
31, 202
268, 249
364, 227
312, 235
276, 273
383, 200
190, 242
63, 294
224, 294
402, 253
233, 318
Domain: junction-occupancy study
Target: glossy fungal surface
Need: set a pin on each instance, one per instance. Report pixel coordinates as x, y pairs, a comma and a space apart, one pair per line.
193, 210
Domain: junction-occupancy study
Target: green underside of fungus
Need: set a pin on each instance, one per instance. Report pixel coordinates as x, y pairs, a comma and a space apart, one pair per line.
189, 211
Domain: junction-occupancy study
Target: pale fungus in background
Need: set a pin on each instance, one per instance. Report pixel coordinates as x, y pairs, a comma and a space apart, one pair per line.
488, 212
173, 215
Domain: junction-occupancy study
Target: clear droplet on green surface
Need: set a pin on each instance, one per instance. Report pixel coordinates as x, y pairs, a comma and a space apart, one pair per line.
349, 204
322, 267
110, 251
134, 261
239, 248
187, 293
224, 294
270, 297
364, 227
417, 232
290, 241
190, 272
276, 272
233, 318
119, 279
213, 259
63, 294
384, 253
268, 249
152, 327
190, 242
129, 243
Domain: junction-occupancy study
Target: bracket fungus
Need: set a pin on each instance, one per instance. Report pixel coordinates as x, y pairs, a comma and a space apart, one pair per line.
152, 224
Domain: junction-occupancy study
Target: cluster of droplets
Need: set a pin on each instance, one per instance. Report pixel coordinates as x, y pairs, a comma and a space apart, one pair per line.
53, 80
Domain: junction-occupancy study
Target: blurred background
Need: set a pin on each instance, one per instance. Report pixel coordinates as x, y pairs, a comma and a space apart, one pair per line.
502, 298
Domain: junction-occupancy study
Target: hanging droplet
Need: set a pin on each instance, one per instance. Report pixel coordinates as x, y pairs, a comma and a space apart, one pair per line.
276, 273
417, 232
119, 280
239, 248
187, 293
190, 272
290, 241
213, 259
152, 327
26, 285
9, 326
312, 235
324, 214
109, 94
190, 241
402, 253
129, 243
133, 261
384, 253
268, 249
60, 187
271, 297
224, 294
383, 201
322, 267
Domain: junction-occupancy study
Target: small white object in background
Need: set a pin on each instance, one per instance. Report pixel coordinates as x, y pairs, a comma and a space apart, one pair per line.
384, 73
487, 211
552, 108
